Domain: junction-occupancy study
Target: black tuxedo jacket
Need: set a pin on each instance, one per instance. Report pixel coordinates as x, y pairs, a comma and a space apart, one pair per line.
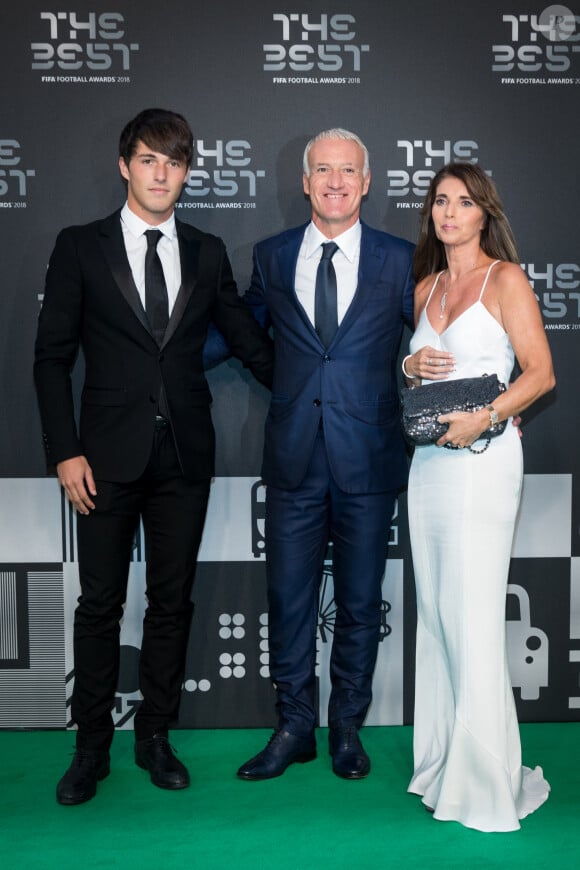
91, 302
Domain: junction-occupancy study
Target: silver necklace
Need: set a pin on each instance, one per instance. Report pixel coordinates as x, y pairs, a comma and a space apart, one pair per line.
443, 302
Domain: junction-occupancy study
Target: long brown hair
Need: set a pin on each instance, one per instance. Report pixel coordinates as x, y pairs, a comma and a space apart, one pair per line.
497, 239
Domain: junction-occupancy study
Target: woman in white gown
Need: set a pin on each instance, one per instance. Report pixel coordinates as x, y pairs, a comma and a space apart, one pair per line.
474, 312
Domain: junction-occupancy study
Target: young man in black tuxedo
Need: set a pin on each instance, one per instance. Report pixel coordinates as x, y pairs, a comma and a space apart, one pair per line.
136, 292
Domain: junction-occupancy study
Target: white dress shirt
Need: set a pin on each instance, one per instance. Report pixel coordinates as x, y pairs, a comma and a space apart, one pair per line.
168, 249
345, 262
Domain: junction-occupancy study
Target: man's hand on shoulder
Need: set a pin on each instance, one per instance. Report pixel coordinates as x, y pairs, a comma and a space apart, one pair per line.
76, 478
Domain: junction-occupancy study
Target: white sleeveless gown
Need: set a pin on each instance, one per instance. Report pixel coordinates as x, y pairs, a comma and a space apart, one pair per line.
462, 511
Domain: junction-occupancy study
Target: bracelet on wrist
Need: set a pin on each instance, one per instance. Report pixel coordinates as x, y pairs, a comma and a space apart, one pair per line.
493, 415
404, 370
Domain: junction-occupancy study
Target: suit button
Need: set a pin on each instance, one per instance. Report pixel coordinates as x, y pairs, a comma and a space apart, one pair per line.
316, 403
325, 358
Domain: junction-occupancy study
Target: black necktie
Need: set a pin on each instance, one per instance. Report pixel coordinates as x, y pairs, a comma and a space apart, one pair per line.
156, 301
325, 305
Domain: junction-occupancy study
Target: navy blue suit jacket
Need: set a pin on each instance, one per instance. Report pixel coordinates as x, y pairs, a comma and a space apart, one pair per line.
353, 384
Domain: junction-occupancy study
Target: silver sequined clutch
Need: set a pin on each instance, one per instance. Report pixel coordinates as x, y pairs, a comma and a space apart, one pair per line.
421, 406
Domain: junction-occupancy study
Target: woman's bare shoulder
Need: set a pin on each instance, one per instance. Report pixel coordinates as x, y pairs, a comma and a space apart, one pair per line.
425, 285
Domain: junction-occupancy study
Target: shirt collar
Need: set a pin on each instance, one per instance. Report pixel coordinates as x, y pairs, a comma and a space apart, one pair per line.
137, 226
348, 242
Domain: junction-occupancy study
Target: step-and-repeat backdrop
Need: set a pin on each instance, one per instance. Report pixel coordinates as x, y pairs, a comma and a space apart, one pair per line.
422, 83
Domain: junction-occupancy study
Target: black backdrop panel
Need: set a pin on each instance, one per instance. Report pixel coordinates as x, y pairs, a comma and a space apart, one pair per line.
421, 83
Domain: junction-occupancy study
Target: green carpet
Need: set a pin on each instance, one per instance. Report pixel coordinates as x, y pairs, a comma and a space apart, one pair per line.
307, 819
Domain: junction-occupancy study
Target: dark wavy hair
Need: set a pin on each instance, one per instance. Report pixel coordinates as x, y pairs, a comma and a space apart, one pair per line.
497, 239
161, 130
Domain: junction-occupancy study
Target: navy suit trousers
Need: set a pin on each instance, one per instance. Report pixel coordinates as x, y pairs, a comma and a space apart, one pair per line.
299, 525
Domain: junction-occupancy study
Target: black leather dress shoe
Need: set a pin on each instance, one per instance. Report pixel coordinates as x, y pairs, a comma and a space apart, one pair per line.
282, 750
349, 759
156, 756
79, 784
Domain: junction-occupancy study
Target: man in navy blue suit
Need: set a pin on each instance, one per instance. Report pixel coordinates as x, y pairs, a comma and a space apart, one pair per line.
334, 457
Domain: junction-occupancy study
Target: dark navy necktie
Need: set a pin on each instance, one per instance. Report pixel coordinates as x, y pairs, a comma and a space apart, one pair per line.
325, 303
156, 299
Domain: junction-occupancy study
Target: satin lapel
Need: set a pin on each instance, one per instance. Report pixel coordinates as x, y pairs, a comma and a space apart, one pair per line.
111, 239
372, 258
287, 256
188, 258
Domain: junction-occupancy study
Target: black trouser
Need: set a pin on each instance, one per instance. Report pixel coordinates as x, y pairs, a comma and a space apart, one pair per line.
173, 512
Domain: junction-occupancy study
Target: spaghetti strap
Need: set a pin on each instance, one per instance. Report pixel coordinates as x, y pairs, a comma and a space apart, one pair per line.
491, 265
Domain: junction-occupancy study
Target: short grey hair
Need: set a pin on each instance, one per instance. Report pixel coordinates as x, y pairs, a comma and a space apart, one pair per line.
336, 133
